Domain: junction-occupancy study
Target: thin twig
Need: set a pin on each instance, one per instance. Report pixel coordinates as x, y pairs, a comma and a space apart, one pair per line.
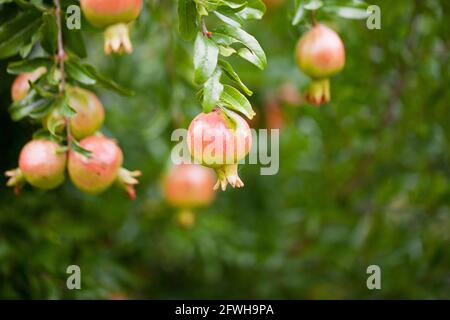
205, 30
60, 58
313, 17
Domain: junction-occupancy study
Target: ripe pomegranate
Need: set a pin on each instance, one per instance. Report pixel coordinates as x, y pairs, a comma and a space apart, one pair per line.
220, 140
98, 172
114, 16
274, 114
320, 54
89, 117
40, 164
189, 186
289, 94
20, 87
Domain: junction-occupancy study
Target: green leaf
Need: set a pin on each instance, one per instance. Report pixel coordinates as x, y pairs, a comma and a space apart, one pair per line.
234, 100
349, 13
187, 16
74, 42
212, 91
232, 75
36, 109
254, 53
206, 53
78, 72
22, 66
299, 13
49, 33
79, 149
313, 5
107, 82
17, 33
255, 9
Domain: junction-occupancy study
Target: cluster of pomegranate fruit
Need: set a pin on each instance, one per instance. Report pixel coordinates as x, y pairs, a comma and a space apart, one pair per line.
114, 17
187, 187
320, 54
43, 163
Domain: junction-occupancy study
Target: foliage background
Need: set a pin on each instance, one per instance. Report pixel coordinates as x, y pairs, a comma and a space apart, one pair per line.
363, 180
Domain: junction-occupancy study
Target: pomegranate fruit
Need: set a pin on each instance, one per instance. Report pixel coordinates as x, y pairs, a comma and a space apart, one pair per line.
89, 116
114, 16
320, 54
98, 172
20, 87
189, 186
40, 164
220, 140
274, 114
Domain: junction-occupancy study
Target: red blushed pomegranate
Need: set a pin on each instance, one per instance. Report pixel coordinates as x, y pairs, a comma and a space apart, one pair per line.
20, 87
40, 164
89, 116
189, 186
98, 172
320, 54
114, 16
274, 114
220, 140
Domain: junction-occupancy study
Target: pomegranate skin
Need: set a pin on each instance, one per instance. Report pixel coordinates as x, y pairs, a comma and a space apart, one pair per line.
42, 166
215, 140
98, 172
20, 87
189, 186
90, 113
103, 13
320, 53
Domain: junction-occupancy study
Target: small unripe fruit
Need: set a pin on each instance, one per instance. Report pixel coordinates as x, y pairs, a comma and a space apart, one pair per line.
220, 140
113, 15
98, 172
320, 54
21, 87
189, 186
42, 165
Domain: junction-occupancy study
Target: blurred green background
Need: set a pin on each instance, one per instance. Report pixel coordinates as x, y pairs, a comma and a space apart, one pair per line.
363, 180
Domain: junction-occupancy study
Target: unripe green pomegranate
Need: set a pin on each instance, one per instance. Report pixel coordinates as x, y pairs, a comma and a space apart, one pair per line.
220, 140
320, 54
89, 116
20, 87
114, 16
98, 172
188, 186
40, 165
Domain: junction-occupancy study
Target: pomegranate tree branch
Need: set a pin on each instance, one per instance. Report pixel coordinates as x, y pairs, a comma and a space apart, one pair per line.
60, 59
205, 30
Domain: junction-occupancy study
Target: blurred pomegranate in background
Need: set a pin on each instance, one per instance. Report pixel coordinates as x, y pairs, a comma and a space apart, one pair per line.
274, 114
187, 187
